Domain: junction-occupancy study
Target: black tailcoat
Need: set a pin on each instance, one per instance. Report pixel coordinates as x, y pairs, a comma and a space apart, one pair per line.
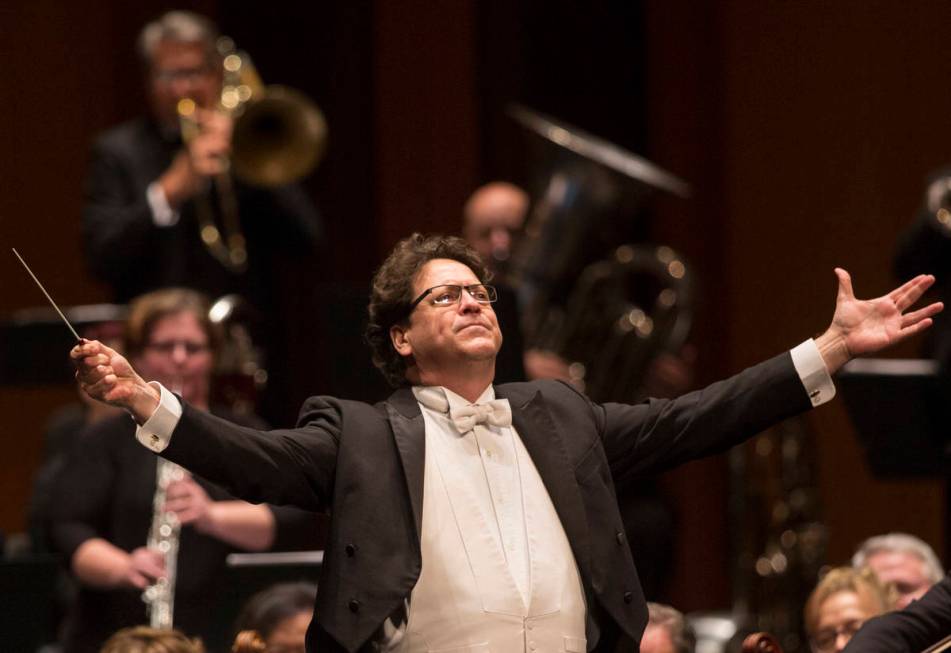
365, 465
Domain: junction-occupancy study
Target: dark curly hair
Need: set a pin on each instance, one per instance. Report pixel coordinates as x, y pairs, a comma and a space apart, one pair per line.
265, 611
391, 293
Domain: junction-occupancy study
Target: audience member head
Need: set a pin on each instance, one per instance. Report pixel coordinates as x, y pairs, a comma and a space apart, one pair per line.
248, 641
280, 615
170, 338
492, 218
179, 52
843, 600
903, 560
142, 639
667, 631
393, 291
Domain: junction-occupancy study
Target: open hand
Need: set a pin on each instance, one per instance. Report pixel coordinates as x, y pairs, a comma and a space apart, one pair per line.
866, 326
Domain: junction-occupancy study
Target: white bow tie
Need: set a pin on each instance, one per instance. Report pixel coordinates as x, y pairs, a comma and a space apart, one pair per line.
496, 412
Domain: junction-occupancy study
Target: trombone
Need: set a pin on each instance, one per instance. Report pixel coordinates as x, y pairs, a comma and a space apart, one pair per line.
279, 136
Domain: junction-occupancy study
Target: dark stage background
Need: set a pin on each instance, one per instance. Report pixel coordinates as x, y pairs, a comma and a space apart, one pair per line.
805, 128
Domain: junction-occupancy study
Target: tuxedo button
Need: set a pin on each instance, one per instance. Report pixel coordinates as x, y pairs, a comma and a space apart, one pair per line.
350, 549
628, 597
619, 536
354, 605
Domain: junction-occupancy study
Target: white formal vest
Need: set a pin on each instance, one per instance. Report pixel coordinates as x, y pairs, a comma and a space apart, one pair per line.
466, 598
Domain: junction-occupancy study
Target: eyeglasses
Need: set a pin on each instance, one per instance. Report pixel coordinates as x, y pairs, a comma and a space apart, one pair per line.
449, 294
168, 346
825, 639
180, 74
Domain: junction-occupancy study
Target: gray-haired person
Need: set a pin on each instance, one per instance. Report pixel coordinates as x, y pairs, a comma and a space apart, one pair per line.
905, 561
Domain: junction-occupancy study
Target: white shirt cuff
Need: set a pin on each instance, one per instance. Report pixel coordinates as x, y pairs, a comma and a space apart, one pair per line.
812, 371
156, 433
163, 215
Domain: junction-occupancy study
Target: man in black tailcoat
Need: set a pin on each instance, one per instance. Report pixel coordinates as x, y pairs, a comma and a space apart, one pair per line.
450, 454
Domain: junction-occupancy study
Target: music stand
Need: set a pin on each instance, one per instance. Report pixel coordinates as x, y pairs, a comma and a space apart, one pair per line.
34, 342
901, 415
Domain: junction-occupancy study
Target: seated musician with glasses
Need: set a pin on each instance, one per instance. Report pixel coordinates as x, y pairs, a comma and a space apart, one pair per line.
841, 603
102, 506
469, 516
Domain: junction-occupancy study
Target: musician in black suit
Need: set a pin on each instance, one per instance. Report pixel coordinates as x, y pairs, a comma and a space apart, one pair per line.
103, 503
474, 517
141, 219
158, 212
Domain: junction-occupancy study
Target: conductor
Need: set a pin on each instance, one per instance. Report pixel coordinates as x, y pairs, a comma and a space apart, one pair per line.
473, 517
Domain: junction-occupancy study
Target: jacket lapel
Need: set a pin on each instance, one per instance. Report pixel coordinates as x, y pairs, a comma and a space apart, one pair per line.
545, 444
410, 435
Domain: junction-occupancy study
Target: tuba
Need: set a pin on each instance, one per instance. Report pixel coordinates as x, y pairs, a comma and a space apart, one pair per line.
605, 305
279, 136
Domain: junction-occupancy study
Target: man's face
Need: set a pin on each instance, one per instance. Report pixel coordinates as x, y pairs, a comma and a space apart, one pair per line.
656, 639
840, 617
177, 355
441, 337
181, 70
494, 218
904, 570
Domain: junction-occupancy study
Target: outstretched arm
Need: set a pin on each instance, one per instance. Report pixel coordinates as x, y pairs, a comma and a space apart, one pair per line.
865, 326
284, 467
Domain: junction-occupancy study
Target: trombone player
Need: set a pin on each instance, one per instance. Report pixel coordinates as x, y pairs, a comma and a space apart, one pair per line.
139, 220
163, 211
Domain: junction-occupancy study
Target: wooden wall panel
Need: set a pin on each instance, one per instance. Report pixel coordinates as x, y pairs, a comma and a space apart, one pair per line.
808, 129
